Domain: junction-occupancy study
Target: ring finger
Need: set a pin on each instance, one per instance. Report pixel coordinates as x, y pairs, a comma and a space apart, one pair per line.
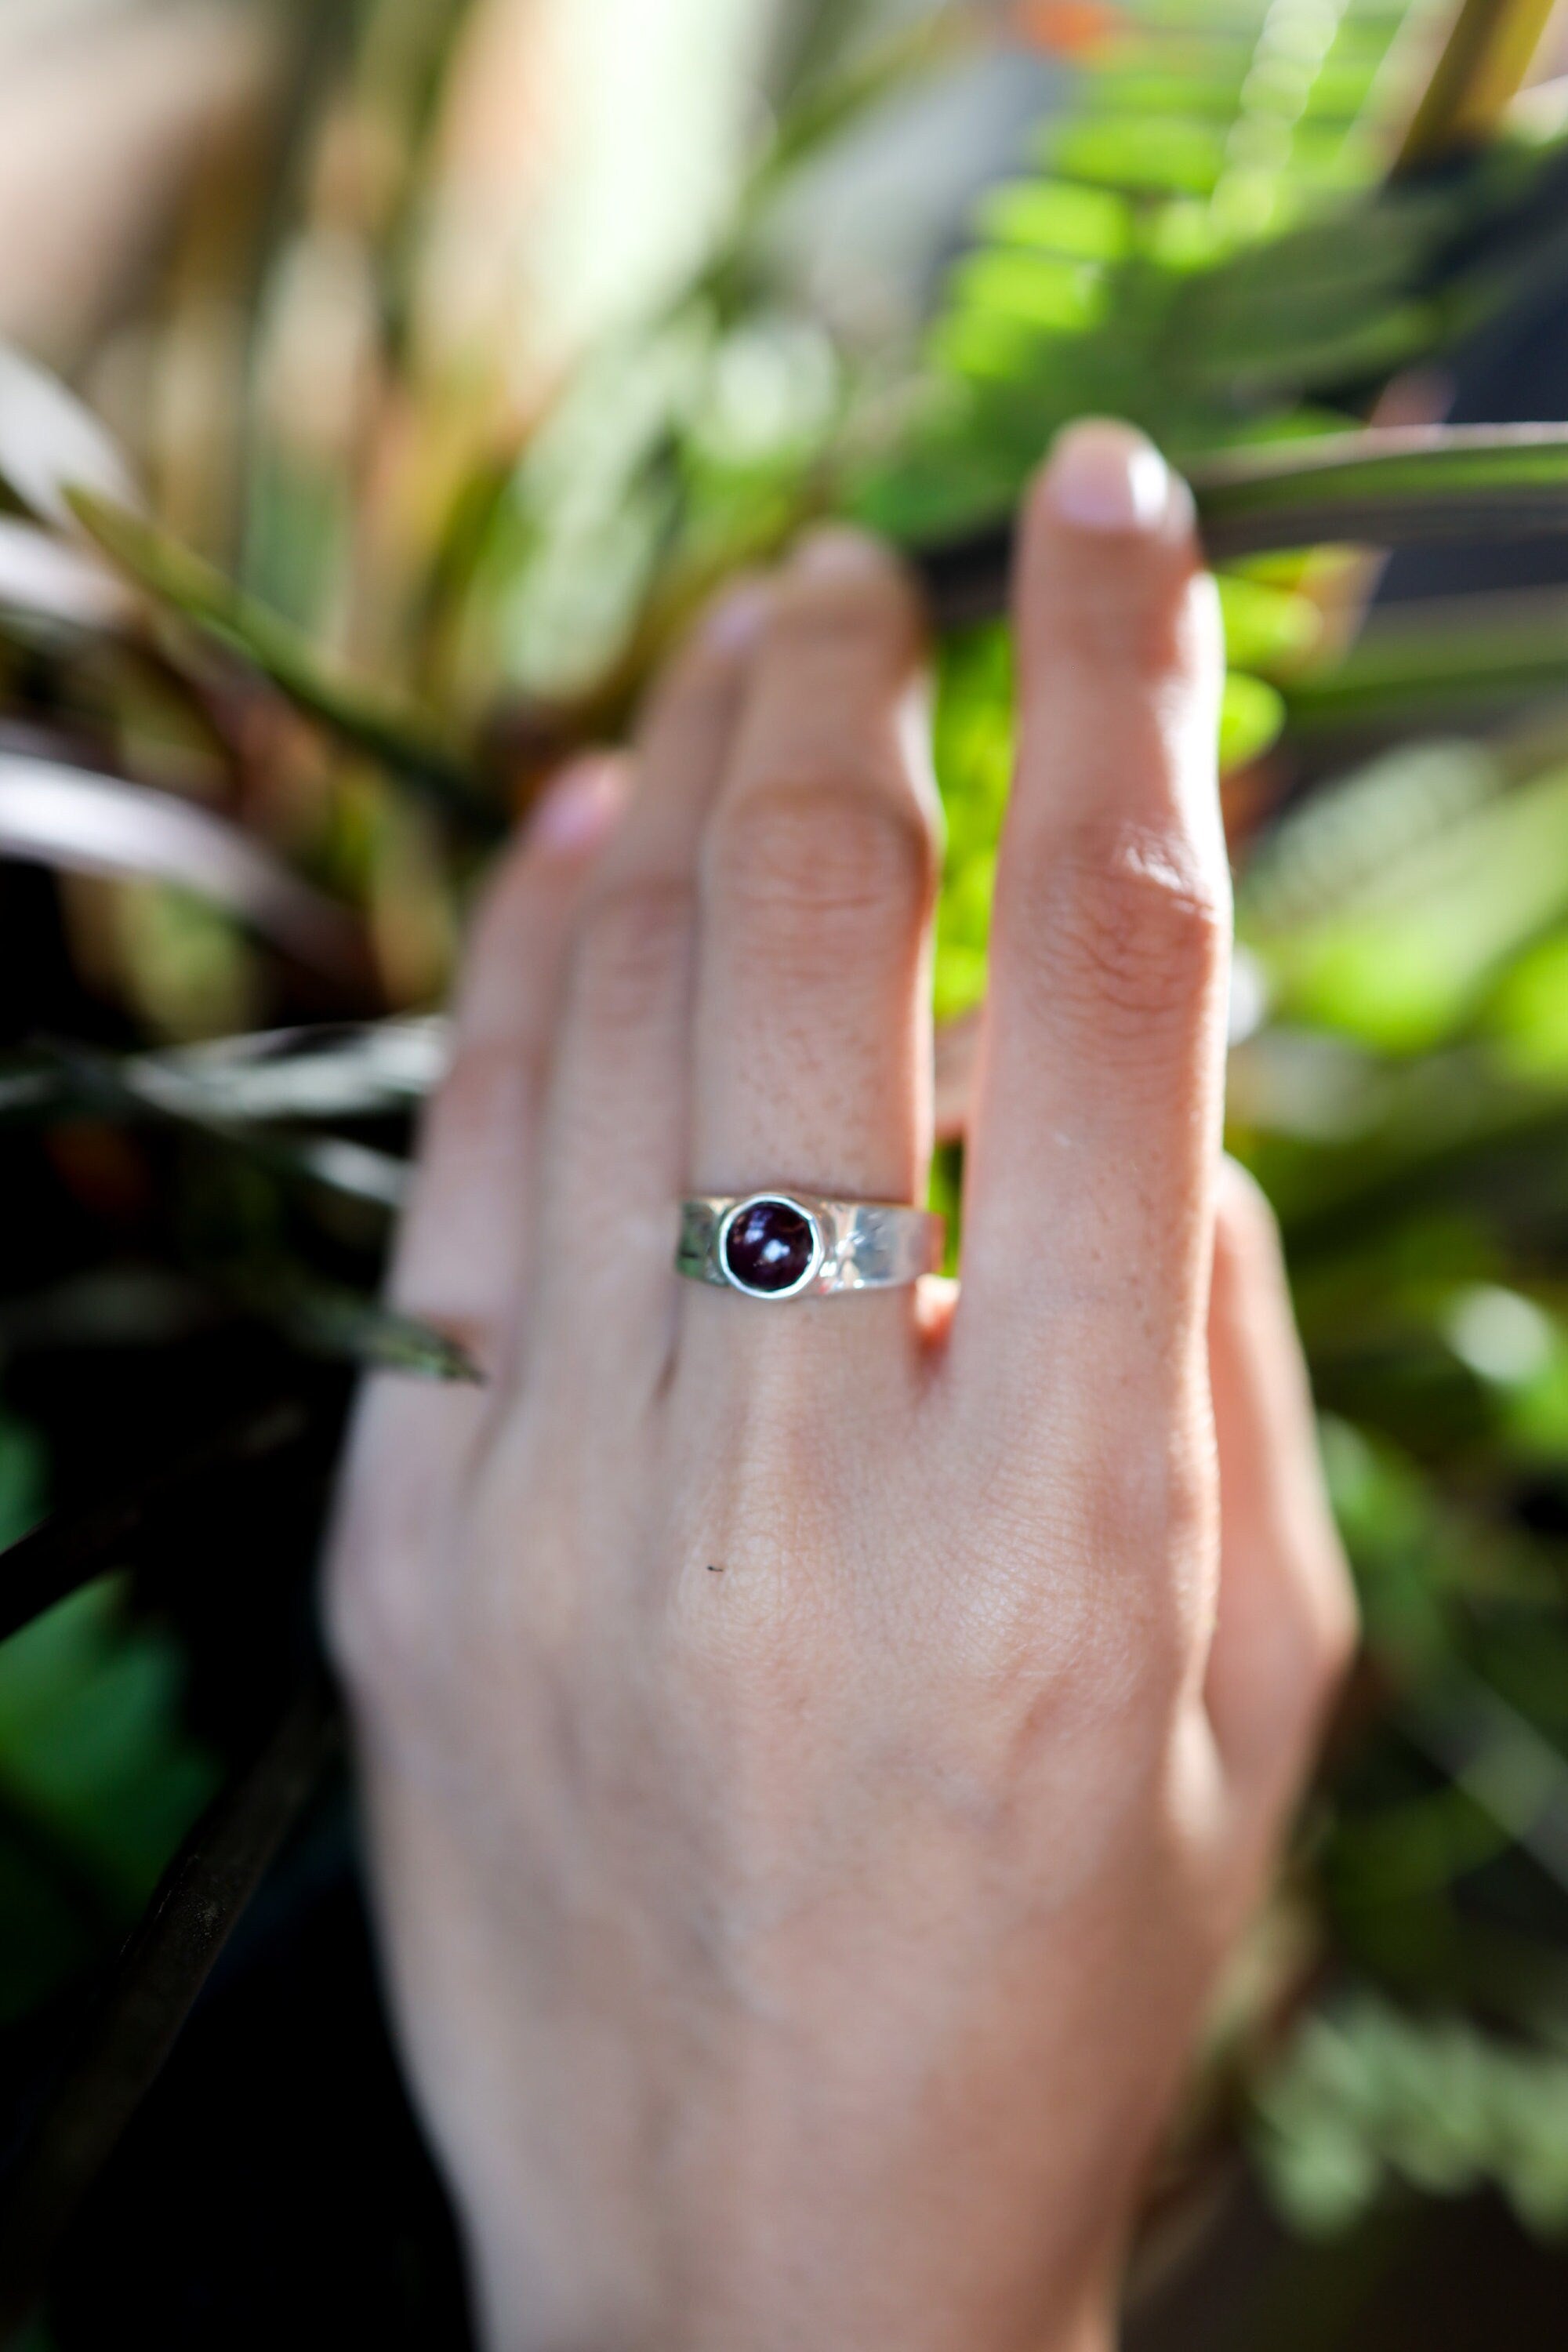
811, 1045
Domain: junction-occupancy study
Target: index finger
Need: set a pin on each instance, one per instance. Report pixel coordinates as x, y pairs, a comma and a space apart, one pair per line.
1090, 1185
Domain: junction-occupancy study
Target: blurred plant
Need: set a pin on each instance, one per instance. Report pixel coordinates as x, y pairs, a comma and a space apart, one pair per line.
270, 689
1366, 2094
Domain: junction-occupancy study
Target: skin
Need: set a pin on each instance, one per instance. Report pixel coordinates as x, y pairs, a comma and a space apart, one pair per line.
817, 1758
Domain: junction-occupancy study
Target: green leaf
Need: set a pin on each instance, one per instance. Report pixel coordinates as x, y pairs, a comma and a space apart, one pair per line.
333, 1322
1390, 488
1275, 356
1364, 2092
1409, 958
1382, 488
1346, 840
63, 1080
1144, 153
401, 739
80, 822
1424, 663
1036, 289
1265, 627
1252, 714
332, 1070
1528, 1014
91, 1743
1054, 216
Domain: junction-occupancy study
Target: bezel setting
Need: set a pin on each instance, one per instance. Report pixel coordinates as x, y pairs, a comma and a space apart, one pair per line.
801, 1208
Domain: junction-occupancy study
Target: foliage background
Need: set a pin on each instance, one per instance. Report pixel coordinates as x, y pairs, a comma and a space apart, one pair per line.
430, 360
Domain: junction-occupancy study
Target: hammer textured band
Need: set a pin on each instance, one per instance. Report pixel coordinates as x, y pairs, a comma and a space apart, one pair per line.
778, 1246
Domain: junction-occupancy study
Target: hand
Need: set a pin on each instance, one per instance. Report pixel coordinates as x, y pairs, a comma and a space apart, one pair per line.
818, 1755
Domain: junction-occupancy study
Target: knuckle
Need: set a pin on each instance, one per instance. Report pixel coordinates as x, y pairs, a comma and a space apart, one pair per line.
1284, 1680
632, 935
1103, 1601
815, 852
859, 626
1138, 1651
1150, 1540
1093, 1686
1122, 933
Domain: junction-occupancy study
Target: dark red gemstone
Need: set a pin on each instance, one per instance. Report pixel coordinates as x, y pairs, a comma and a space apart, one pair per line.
768, 1246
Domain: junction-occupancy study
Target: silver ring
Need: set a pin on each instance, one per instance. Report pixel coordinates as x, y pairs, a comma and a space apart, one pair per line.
778, 1244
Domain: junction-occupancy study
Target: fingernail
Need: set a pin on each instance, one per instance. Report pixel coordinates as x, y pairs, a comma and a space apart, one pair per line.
578, 809
834, 551
730, 625
1107, 476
